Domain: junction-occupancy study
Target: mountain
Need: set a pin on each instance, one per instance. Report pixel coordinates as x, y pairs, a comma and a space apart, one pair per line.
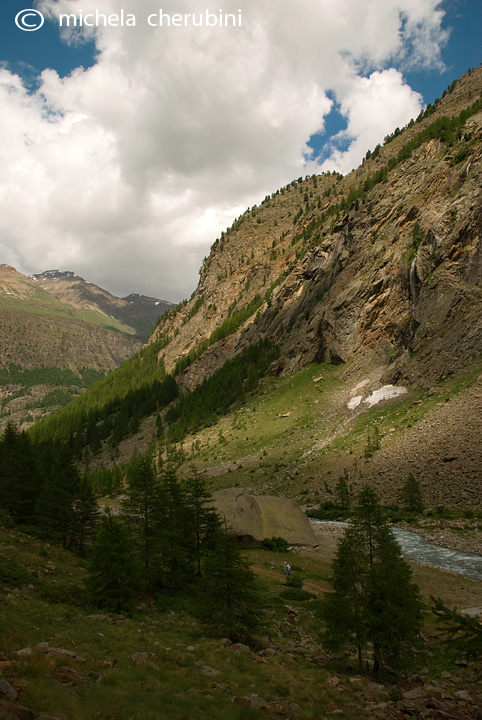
138, 312
376, 267
62, 340
336, 330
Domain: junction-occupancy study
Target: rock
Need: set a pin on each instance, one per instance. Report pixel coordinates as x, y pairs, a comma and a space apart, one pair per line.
464, 695
24, 652
42, 647
264, 516
376, 688
239, 647
68, 675
209, 671
13, 711
7, 691
253, 701
141, 657
61, 653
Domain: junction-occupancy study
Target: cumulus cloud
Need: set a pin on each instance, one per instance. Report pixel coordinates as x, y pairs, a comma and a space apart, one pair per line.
126, 172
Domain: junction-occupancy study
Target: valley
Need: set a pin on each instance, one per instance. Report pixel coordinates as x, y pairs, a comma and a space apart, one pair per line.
331, 351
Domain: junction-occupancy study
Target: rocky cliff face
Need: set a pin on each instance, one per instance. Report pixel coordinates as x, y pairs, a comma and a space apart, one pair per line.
381, 268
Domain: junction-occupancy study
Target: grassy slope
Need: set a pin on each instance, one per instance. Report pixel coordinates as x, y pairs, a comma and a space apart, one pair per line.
295, 433
43, 603
45, 304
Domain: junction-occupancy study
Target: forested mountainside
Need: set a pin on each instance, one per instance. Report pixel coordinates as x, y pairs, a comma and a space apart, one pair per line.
340, 292
59, 335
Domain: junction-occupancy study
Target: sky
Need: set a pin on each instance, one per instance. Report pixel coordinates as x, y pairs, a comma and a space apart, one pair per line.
126, 147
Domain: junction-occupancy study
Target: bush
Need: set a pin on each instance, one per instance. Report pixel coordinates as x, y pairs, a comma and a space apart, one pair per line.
275, 544
294, 581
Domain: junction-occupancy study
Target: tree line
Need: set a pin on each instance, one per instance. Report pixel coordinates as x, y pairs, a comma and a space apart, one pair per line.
166, 536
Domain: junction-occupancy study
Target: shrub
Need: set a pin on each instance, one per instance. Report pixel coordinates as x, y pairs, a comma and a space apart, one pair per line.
275, 544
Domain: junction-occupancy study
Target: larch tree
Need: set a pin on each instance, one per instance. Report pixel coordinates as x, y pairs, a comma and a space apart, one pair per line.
375, 605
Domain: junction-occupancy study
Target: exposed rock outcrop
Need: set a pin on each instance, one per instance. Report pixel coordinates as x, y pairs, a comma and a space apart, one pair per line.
254, 518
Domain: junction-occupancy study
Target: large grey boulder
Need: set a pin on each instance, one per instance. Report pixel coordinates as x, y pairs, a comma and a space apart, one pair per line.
256, 517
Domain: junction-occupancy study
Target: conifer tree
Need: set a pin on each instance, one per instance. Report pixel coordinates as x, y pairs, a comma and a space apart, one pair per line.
173, 536
20, 479
114, 579
85, 515
231, 603
374, 602
59, 491
142, 511
342, 492
202, 518
412, 495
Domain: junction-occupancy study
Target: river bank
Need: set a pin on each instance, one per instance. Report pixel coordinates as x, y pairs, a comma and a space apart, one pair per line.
420, 547
464, 535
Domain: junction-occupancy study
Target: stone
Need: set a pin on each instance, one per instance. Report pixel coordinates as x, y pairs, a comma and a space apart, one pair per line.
255, 518
7, 691
141, 657
209, 671
42, 647
61, 653
24, 652
68, 675
13, 711
253, 701
464, 695
239, 647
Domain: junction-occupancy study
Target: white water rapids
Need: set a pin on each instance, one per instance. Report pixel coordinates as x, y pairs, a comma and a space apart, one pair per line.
414, 547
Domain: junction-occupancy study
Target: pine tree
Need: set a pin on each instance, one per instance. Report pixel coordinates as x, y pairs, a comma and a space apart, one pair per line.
20, 479
342, 492
412, 495
59, 491
202, 517
142, 510
374, 602
85, 515
114, 580
230, 599
173, 538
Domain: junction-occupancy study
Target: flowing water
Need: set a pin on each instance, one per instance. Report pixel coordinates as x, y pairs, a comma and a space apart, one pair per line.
415, 547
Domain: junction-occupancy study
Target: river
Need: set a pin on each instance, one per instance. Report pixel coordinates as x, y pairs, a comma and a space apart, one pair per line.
415, 547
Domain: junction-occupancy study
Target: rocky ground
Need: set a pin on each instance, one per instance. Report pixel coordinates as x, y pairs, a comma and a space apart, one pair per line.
443, 451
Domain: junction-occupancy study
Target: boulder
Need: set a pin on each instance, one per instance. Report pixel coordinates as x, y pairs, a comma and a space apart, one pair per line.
254, 518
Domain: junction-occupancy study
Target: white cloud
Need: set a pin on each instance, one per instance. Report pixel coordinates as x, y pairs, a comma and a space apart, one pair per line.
126, 172
371, 105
